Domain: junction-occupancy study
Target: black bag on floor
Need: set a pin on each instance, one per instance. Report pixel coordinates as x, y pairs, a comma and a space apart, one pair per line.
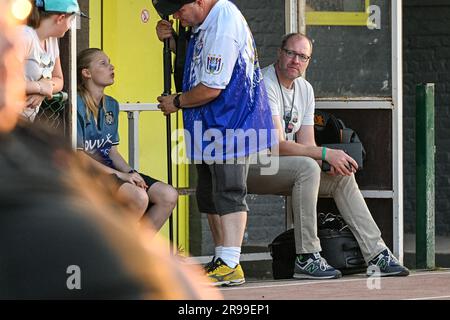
282, 250
339, 248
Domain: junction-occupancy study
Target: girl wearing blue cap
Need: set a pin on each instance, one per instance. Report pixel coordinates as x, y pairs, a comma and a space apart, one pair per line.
48, 21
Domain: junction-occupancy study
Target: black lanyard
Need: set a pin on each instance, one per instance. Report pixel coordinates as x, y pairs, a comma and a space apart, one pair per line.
286, 118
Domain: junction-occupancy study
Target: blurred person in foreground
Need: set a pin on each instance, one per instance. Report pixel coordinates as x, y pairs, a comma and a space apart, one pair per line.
61, 236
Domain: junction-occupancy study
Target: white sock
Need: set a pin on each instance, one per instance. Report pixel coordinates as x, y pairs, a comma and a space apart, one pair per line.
218, 252
231, 255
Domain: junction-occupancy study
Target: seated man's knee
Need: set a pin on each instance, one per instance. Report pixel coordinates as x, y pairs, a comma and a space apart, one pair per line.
307, 165
346, 180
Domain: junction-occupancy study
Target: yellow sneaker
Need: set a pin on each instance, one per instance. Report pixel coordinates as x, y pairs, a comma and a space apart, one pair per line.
223, 275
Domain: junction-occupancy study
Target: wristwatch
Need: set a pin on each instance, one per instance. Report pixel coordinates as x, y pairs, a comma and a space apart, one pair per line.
176, 101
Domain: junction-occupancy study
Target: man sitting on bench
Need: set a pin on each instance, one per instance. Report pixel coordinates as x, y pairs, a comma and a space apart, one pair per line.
292, 102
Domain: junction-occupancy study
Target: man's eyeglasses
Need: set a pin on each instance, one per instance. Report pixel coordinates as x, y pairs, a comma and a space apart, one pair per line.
292, 54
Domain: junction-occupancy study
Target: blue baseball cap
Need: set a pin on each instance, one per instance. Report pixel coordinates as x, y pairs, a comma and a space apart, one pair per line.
63, 6
168, 7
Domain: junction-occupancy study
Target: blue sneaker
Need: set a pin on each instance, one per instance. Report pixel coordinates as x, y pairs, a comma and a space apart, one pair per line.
315, 267
385, 264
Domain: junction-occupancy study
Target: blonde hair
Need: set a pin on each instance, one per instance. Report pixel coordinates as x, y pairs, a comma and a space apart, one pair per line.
84, 61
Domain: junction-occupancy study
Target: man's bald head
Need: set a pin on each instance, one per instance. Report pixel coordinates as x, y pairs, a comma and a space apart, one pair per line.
297, 35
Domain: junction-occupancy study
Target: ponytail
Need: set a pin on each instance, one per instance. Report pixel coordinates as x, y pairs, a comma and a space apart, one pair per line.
84, 60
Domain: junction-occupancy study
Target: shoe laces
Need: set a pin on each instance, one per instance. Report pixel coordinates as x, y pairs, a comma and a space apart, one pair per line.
323, 264
215, 265
210, 265
388, 257
318, 259
392, 258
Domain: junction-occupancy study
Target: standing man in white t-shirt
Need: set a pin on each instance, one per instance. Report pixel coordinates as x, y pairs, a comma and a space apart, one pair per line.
223, 99
291, 99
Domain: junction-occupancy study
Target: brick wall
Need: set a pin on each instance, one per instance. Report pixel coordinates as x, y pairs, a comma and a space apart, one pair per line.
266, 20
427, 59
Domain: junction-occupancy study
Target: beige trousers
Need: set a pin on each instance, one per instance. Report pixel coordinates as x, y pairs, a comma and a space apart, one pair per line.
302, 178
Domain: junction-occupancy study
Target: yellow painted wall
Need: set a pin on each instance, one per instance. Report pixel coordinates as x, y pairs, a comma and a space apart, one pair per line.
135, 51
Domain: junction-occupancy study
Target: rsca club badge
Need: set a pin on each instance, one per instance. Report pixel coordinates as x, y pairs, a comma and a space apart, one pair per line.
214, 64
109, 118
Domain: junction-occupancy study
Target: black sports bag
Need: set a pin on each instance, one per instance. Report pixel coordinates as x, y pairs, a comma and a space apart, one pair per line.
339, 248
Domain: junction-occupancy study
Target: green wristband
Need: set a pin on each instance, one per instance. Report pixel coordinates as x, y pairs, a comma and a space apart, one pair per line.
324, 153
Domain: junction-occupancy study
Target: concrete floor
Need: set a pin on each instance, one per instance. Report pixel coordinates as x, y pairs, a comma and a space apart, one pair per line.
420, 285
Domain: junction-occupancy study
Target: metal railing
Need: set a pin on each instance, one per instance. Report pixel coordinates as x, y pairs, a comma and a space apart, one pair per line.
134, 110
52, 112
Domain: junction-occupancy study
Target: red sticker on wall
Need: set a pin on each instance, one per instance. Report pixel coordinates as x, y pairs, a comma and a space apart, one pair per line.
145, 16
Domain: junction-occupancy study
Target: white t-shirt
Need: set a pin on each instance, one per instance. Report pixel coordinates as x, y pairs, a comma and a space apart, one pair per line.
302, 110
38, 63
